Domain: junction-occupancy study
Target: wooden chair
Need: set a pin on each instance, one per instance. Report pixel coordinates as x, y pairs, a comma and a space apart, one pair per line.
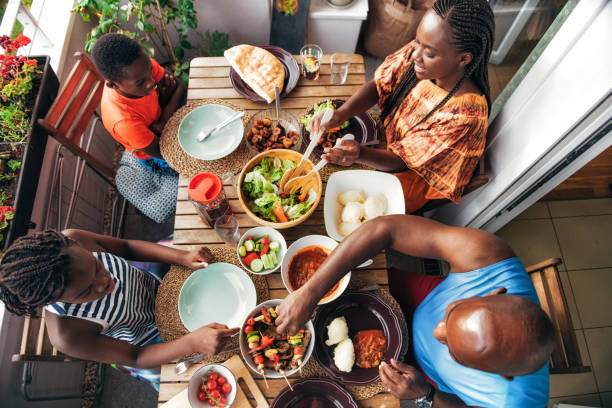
66, 121
36, 347
566, 357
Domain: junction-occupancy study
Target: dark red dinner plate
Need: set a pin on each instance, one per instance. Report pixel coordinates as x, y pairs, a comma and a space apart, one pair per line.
314, 393
362, 126
362, 311
292, 75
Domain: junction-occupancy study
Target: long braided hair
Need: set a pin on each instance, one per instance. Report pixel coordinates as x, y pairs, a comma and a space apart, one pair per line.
473, 25
34, 272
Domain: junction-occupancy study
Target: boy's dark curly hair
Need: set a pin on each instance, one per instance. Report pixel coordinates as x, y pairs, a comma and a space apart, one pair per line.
34, 272
113, 52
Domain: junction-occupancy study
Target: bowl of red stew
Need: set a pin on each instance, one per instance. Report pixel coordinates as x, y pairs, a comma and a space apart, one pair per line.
302, 260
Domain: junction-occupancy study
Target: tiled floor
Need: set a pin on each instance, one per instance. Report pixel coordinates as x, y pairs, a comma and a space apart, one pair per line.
580, 233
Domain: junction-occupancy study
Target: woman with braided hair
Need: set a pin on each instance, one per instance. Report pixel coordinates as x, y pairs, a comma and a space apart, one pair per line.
434, 97
99, 307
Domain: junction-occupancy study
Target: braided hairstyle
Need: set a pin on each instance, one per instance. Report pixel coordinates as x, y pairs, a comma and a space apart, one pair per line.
472, 24
34, 272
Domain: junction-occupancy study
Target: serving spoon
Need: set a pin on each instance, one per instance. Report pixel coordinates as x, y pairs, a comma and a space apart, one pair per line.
303, 182
315, 136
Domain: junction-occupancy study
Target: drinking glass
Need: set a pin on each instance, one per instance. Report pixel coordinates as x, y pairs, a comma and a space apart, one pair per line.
310, 57
226, 228
340, 64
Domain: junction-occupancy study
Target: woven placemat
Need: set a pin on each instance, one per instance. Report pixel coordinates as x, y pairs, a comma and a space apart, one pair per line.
166, 303
189, 166
312, 368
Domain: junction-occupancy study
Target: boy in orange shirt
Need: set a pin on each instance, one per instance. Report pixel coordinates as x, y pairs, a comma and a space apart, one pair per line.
139, 96
137, 101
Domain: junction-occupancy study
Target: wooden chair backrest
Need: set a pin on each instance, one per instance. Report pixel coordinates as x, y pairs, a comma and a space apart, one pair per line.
73, 109
566, 355
35, 343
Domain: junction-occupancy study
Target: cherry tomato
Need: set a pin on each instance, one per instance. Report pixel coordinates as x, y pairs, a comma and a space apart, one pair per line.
215, 394
202, 387
202, 396
258, 359
226, 388
248, 329
213, 376
250, 321
222, 402
221, 380
211, 402
211, 385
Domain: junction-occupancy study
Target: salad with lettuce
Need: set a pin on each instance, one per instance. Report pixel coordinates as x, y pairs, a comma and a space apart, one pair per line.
320, 108
260, 187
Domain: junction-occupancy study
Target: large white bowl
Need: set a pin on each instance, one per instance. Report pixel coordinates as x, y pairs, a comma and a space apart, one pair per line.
244, 347
196, 379
310, 240
257, 232
368, 181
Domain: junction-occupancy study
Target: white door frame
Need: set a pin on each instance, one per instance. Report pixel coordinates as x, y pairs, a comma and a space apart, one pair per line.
555, 119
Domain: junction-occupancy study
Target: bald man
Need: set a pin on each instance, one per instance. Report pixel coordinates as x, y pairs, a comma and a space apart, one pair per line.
479, 335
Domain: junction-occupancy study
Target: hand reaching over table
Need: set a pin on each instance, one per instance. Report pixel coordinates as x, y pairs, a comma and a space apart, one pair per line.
346, 156
294, 311
209, 339
197, 258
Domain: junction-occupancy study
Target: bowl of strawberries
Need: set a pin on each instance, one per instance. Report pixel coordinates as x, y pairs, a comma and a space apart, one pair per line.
213, 385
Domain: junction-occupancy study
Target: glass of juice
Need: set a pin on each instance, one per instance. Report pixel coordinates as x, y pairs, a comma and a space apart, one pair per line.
310, 57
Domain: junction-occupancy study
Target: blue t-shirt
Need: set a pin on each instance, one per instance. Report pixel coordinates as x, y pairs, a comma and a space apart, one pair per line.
473, 386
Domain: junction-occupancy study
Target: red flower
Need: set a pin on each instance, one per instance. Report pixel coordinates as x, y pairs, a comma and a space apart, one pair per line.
6, 208
32, 62
22, 41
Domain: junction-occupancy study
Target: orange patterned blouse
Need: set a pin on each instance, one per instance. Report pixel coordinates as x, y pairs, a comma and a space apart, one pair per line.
442, 152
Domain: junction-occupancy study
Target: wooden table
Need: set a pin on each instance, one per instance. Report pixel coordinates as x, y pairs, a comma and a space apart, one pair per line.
208, 78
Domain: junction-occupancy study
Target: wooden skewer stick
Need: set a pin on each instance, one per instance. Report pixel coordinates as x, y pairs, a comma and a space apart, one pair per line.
265, 380
286, 379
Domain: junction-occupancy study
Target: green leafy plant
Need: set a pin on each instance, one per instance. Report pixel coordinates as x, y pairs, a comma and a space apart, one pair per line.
214, 44
153, 21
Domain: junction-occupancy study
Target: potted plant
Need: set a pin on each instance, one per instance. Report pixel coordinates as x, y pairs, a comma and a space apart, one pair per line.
27, 88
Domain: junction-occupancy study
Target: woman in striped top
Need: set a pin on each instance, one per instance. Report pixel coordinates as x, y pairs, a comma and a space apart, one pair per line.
102, 308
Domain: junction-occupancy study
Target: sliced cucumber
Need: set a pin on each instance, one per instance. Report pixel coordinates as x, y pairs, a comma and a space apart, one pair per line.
242, 251
274, 246
258, 247
266, 261
249, 245
257, 265
273, 259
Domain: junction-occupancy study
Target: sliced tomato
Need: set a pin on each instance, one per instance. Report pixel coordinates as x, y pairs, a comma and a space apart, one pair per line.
249, 258
265, 249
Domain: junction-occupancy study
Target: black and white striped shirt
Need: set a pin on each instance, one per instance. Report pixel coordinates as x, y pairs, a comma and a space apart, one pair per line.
128, 312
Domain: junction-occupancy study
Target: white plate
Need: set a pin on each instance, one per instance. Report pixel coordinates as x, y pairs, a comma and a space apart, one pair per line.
222, 293
220, 143
368, 181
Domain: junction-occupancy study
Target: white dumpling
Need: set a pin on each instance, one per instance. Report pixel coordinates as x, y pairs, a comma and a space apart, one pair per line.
337, 331
345, 228
344, 355
375, 206
351, 195
353, 212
